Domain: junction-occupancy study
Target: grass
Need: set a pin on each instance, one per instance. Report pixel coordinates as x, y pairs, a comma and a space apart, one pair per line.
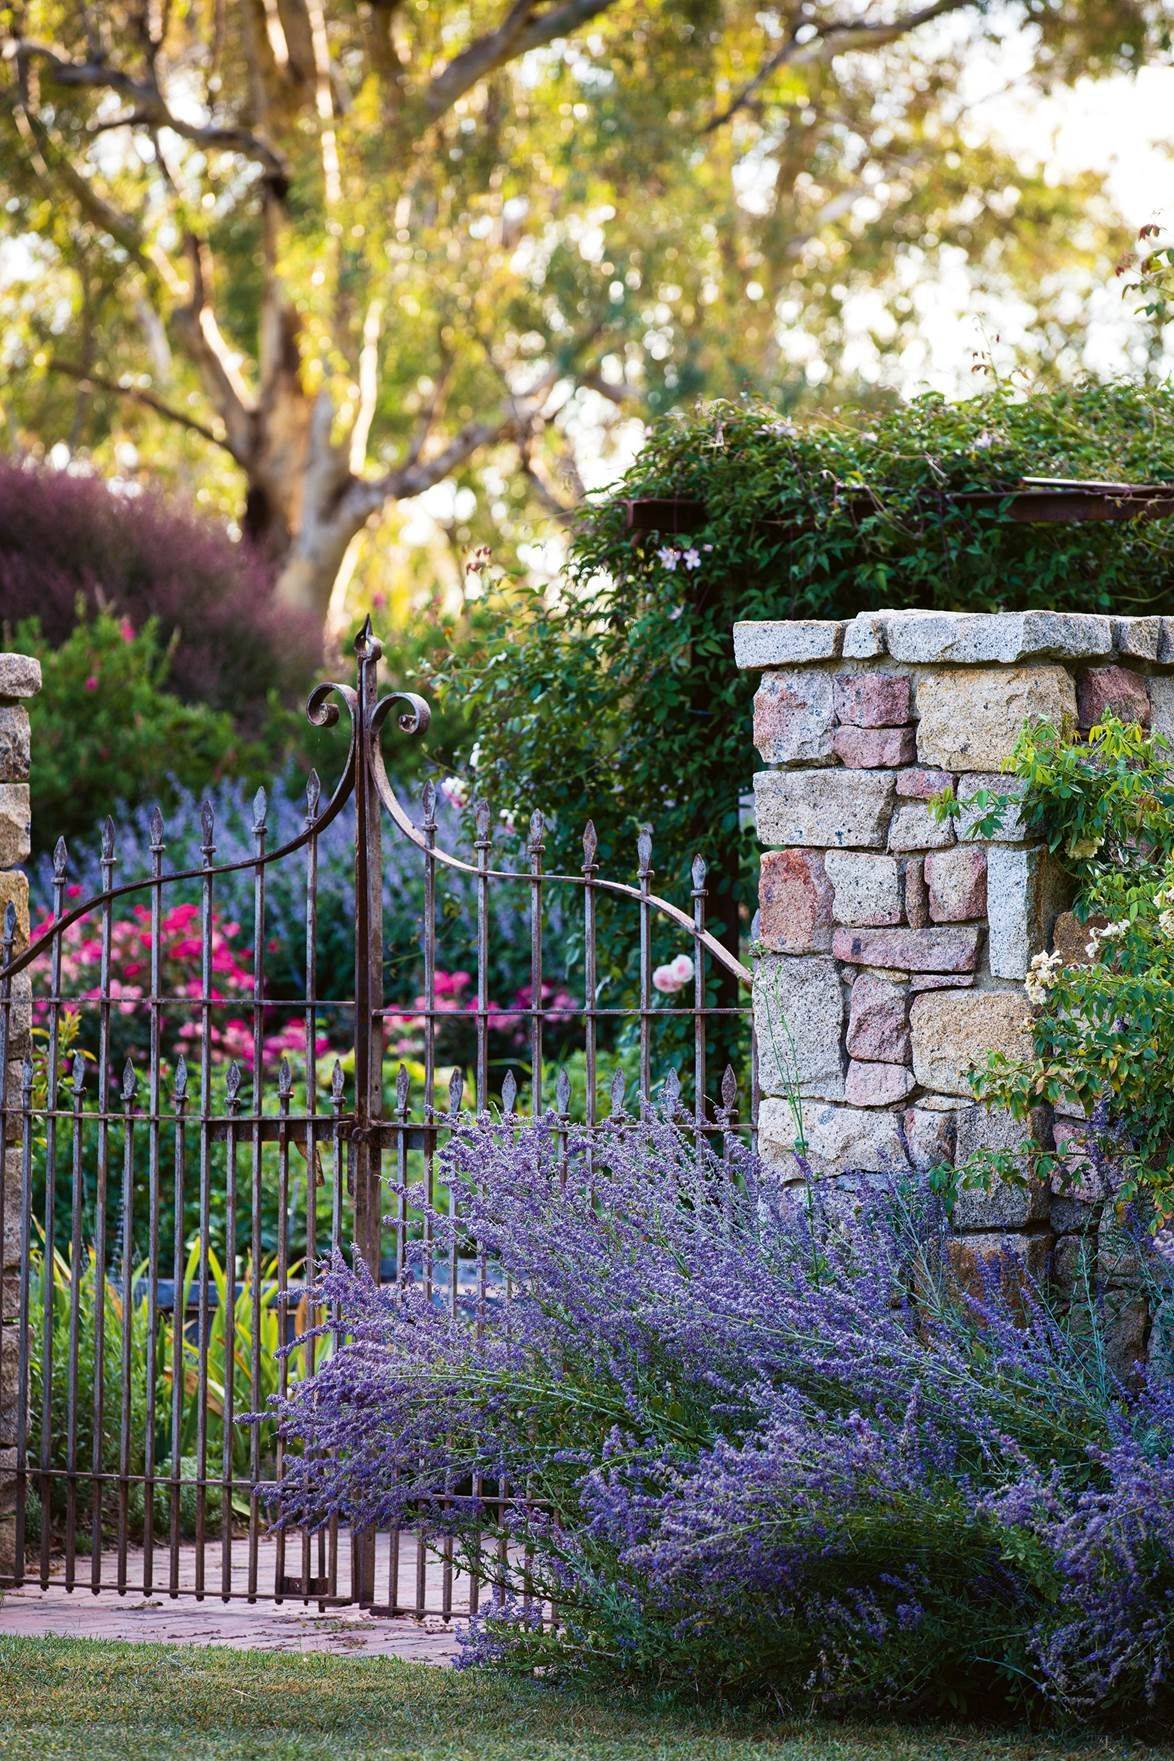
62, 1699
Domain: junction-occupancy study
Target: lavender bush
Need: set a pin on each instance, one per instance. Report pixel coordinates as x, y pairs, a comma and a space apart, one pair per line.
765, 1451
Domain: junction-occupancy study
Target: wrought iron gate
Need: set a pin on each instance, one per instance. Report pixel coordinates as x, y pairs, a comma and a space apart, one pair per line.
186, 1150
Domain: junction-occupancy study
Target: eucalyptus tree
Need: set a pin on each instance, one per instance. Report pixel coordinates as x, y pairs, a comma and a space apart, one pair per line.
324, 255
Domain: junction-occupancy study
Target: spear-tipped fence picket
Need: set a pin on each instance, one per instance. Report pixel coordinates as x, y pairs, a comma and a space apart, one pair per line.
148, 1300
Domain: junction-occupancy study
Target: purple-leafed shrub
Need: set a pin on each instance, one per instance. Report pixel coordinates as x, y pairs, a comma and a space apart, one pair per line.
64, 536
770, 1448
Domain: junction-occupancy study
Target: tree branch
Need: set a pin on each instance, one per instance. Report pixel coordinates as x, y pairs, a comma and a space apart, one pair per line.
140, 395
828, 41
524, 27
149, 106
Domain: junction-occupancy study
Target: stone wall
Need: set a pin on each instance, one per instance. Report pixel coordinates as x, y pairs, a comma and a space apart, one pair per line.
20, 678
893, 947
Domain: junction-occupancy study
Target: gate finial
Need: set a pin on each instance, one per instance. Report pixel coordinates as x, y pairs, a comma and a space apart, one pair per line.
130, 1082
590, 844
618, 1086
181, 1078
313, 796
60, 859
367, 644
156, 824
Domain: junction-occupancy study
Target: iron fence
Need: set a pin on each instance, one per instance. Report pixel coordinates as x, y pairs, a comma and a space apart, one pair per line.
191, 1138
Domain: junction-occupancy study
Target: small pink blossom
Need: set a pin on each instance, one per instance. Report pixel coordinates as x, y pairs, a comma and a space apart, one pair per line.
692, 559
668, 556
126, 629
92, 682
674, 975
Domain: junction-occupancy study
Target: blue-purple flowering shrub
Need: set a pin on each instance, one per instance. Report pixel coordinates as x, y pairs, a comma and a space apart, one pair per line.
765, 1451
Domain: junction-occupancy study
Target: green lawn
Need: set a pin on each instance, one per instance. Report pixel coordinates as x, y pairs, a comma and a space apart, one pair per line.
112, 1702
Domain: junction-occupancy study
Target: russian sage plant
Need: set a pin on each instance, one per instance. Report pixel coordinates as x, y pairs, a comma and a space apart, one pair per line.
766, 1446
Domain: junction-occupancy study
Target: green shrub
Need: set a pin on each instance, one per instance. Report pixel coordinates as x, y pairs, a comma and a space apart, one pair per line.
1103, 1032
107, 728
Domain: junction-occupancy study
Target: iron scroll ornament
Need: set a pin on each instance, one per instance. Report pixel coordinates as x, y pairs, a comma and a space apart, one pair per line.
413, 717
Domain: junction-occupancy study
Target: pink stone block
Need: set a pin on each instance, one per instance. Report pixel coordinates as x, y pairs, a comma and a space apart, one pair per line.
795, 900
873, 700
909, 950
921, 784
940, 981
957, 884
874, 748
1100, 689
878, 1021
877, 1085
793, 717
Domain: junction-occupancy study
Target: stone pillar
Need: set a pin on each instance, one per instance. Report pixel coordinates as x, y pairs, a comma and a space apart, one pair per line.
893, 947
20, 678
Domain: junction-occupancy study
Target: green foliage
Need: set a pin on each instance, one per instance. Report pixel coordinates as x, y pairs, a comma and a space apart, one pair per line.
107, 729
1102, 1032
58, 1285
621, 693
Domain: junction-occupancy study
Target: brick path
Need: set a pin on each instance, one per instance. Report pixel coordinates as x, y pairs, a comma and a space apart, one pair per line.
162, 1619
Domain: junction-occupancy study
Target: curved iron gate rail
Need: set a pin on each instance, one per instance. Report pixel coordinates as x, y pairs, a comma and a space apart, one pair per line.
86, 1466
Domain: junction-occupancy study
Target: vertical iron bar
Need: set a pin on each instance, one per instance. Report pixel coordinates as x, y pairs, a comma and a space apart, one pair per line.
129, 1085
368, 1020
153, 1178
644, 863
7, 1135
228, 1333
336, 1211
178, 1322
284, 1096
429, 931
535, 848
698, 875
259, 833
207, 851
23, 1342
101, 1195
313, 799
75, 1291
47, 1279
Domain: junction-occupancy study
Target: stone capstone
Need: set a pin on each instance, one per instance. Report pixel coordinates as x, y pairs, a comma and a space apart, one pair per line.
909, 950
866, 889
954, 1030
795, 902
978, 638
782, 642
823, 809
799, 1019
20, 675
957, 884
1139, 638
793, 717
970, 720
873, 700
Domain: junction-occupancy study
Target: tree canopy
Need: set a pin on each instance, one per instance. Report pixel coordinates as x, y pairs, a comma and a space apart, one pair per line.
319, 258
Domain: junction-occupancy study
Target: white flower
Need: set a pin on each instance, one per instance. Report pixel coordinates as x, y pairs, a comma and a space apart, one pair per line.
668, 556
670, 978
692, 559
455, 791
985, 439
1041, 976
787, 429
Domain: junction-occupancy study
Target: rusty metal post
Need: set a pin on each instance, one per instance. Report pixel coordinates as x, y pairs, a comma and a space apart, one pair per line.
365, 1169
